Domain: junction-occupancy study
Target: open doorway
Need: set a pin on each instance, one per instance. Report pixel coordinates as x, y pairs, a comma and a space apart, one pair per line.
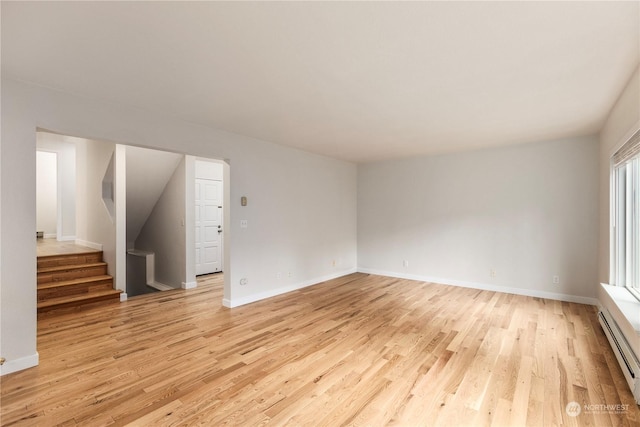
46, 194
164, 227
174, 219
209, 213
56, 186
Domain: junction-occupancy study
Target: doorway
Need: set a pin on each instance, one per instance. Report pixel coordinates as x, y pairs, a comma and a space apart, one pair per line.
46, 194
209, 191
88, 157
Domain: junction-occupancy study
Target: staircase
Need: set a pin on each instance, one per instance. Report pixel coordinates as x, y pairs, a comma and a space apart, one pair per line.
72, 280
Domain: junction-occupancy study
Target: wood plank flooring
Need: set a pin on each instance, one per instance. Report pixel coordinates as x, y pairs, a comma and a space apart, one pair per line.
49, 247
359, 350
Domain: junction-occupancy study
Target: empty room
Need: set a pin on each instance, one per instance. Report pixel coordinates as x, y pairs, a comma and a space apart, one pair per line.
320, 213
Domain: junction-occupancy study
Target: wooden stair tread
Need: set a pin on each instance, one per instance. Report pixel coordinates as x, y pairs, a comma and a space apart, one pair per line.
79, 281
70, 267
74, 279
71, 254
60, 301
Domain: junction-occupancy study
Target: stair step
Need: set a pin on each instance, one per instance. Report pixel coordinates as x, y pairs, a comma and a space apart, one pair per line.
72, 280
82, 280
75, 290
76, 300
58, 268
70, 272
46, 261
68, 288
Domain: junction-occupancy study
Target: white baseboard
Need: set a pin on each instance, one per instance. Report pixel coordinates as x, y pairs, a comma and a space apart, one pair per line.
49, 236
485, 287
236, 302
67, 239
189, 285
96, 246
160, 286
123, 297
19, 364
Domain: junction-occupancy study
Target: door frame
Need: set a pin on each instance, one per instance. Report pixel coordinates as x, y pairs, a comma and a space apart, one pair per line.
190, 221
58, 191
201, 182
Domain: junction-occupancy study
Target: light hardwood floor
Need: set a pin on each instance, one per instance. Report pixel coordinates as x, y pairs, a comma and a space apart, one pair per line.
48, 247
359, 350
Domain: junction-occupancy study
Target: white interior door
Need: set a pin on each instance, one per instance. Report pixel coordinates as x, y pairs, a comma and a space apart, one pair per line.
208, 226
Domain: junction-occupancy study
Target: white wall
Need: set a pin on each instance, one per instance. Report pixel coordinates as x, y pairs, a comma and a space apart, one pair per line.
164, 231
65, 148
209, 169
298, 228
93, 222
528, 211
623, 120
47, 193
148, 172
301, 212
18, 251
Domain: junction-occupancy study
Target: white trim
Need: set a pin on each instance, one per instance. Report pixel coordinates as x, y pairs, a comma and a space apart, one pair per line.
59, 219
20, 364
123, 297
160, 286
626, 137
236, 302
612, 199
613, 249
120, 216
67, 239
612, 220
189, 285
485, 287
96, 246
626, 307
50, 236
150, 266
189, 219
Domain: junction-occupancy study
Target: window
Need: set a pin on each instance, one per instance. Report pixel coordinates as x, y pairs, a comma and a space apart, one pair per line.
625, 267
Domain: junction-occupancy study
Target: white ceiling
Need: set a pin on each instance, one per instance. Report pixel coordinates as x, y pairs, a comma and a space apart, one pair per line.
360, 81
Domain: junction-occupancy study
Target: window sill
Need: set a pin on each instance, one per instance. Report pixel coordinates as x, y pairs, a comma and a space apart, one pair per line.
625, 309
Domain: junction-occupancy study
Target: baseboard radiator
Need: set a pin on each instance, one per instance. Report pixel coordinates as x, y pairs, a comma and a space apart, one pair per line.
626, 357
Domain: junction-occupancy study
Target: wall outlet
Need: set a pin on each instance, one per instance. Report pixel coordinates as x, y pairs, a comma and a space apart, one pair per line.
290, 274
278, 275
244, 223
244, 281
405, 263
556, 280
492, 272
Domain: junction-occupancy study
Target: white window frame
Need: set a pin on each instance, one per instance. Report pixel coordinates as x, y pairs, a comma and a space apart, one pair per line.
620, 264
